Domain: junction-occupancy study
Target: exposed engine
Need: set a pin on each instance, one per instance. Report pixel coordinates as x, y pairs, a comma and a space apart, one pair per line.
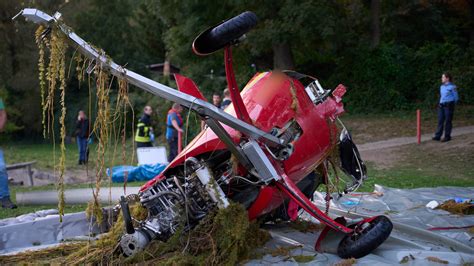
170, 202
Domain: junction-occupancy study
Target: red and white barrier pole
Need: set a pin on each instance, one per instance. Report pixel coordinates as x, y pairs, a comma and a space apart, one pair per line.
418, 125
180, 142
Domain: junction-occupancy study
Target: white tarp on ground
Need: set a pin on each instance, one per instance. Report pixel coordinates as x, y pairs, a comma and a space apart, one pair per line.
410, 242
42, 229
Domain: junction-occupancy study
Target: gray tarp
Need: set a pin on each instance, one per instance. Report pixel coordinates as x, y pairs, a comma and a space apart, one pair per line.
410, 242
41, 229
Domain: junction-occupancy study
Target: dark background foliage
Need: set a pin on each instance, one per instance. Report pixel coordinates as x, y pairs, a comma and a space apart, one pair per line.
390, 54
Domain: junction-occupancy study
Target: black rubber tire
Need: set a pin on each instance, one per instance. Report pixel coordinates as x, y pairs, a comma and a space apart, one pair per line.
370, 239
225, 33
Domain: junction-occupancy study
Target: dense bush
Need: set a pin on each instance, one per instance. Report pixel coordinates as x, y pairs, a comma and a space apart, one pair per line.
396, 77
331, 40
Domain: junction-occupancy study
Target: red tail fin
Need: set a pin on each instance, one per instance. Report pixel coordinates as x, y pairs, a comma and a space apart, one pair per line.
188, 86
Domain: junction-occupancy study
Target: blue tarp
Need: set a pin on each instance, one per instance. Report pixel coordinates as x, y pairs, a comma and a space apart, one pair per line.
135, 173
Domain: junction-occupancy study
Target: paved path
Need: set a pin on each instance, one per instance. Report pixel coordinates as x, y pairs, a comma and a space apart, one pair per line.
73, 196
395, 142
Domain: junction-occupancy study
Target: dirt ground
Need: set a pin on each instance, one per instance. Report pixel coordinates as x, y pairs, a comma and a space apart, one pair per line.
44, 177
374, 127
450, 158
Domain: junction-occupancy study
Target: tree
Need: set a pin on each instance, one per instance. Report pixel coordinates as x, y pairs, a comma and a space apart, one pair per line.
375, 23
471, 20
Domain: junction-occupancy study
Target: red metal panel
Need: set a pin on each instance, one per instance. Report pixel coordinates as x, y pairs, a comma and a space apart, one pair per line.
272, 100
188, 86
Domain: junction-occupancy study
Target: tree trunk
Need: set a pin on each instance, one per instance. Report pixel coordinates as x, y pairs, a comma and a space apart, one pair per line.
375, 23
282, 56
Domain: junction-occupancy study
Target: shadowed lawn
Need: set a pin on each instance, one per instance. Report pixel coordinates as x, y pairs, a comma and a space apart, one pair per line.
48, 156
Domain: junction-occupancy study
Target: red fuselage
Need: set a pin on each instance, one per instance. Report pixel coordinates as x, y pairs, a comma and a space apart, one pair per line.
273, 99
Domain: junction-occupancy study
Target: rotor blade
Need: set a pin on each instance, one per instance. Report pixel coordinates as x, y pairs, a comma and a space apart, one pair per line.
201, 107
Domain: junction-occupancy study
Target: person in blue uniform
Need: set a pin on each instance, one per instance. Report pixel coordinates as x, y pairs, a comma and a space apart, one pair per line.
448, 99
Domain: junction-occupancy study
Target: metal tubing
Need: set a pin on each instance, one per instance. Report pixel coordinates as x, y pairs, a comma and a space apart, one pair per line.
217, 128
239, 107
289, 188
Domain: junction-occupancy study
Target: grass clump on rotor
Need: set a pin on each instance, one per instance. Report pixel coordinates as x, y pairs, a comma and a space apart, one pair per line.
54, 75
53, 45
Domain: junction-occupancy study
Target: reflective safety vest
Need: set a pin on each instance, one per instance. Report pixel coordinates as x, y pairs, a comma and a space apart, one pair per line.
143, 133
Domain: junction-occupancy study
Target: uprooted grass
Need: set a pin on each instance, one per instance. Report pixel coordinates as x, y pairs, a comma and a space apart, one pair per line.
305, 226
464, 208
224, 237
43, 256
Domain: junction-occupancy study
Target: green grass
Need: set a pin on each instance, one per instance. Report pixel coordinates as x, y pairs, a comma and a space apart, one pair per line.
408, 178
47, 157
430, 164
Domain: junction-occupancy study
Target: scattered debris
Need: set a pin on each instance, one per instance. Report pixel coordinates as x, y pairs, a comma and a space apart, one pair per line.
432, 204
437, 260
346, 262
390, 212
452, 206
282, 251
407, 258
303, 258
471, 230
305, 226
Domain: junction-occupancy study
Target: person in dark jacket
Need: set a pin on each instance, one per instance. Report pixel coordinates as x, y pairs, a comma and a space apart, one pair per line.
448, 99
143, 136
216, 99
82, 136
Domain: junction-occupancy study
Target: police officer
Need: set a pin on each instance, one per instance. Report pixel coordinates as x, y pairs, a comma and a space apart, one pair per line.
144, 134
448, 98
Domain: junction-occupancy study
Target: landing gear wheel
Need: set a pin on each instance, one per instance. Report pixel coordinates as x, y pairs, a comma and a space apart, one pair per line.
367, 237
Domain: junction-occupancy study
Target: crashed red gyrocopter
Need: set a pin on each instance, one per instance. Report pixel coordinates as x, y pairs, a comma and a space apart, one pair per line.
261, 151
